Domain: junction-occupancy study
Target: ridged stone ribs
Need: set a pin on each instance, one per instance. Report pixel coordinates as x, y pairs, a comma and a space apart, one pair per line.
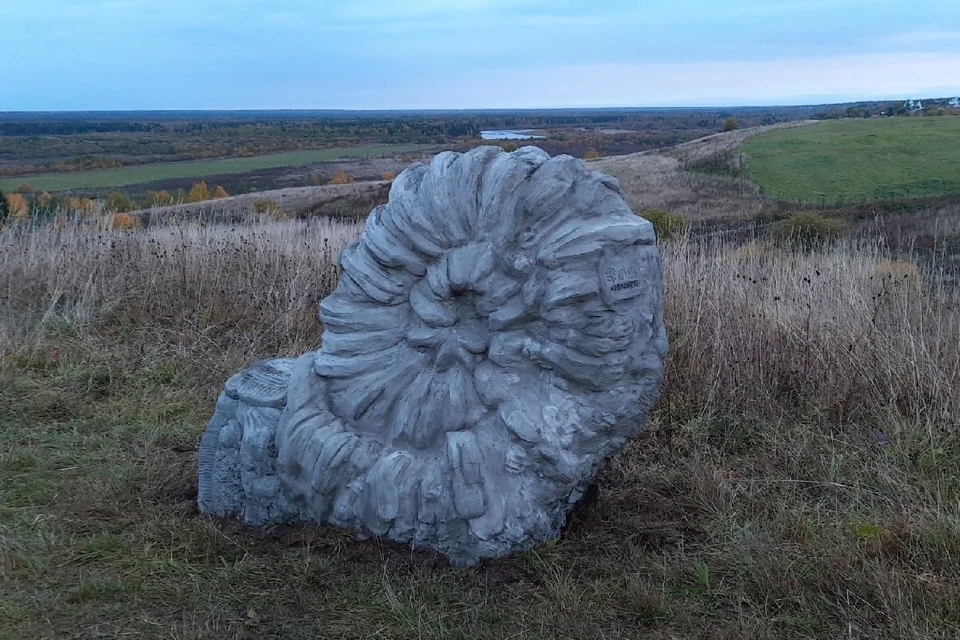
495, 336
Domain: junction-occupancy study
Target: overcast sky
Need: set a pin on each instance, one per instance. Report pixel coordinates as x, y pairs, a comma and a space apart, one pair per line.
416, 54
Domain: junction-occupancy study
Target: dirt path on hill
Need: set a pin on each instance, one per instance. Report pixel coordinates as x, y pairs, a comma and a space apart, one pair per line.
293, 201
664, 179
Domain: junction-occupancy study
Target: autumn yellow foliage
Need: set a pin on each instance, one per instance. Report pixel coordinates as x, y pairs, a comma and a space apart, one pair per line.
388, 175
591, 154
220, 192
85, 206
159, 198
17, 205
198, 192
118, 201
124, 220
340, 178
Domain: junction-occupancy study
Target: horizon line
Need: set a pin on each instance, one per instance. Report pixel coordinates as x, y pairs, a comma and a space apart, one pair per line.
701, 107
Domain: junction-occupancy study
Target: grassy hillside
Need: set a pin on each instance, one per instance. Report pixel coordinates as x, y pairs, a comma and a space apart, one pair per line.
171, 170
672, 180
858, 160
800, 477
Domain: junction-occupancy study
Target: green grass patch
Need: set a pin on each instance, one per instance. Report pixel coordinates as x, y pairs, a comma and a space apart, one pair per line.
139, 174
710, 527
847, 161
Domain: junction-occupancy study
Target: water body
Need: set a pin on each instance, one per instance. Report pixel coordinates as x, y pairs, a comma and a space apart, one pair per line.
508, 134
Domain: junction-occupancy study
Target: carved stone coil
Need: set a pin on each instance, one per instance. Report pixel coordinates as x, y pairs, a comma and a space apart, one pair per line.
495, 336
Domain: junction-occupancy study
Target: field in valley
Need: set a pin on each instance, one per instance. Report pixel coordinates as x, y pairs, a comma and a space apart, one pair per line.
799, 478
851, 161
147, 173
90, 153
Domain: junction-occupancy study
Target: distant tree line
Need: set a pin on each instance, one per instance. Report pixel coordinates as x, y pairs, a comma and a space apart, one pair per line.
37, 143
74, 127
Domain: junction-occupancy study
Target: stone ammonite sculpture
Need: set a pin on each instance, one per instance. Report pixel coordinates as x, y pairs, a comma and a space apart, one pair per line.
495, 336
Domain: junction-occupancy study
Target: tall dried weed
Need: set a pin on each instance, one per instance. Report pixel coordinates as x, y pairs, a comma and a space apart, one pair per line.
843, 330
252, 286
838, 330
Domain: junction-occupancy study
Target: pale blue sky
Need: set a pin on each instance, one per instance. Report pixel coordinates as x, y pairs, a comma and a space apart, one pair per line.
386, 54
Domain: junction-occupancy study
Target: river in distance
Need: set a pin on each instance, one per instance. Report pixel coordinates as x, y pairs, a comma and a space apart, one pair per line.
508, 134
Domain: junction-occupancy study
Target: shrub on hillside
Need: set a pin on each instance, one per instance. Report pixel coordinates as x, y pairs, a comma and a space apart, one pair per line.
665, 223
388, 175
807, 230
220, 192
84, 206
118, 201
340, 178
268, 207
17, 206
198, 192
159, 198
124, 221
265, 205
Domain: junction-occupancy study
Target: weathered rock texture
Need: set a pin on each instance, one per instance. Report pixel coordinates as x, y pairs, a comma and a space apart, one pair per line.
495, 336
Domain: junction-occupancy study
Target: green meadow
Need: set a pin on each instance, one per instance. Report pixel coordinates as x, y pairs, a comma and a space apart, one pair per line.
842, 161
138, 174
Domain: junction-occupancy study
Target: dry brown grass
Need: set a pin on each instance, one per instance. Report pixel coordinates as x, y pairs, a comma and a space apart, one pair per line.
843, 331
255, 283
799, 478
754, 328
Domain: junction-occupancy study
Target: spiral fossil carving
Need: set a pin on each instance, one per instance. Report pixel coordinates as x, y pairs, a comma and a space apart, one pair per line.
495, 336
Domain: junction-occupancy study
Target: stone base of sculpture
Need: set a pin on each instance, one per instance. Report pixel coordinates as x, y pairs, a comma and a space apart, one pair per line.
496, 335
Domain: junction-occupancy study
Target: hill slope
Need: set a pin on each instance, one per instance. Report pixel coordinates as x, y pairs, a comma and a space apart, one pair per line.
667, 179
841, 161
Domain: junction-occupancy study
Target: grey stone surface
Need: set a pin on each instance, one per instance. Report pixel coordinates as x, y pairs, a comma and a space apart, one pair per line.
496, 335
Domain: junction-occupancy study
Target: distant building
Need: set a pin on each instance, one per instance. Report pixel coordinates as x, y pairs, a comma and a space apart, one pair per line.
914, 105
954, 102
